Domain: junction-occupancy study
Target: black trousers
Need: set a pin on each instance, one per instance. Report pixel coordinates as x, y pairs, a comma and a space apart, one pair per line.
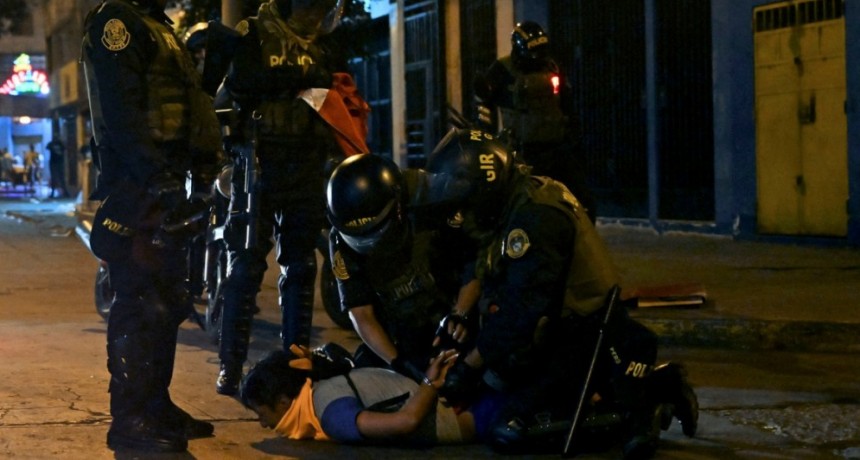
151, 302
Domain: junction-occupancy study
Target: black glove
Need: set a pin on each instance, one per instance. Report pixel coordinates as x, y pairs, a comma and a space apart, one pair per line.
167, 190
330, 360
446, 341
189, 216
403, 366
461, 383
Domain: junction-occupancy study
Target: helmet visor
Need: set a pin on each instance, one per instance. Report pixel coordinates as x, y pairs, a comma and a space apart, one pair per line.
364, 244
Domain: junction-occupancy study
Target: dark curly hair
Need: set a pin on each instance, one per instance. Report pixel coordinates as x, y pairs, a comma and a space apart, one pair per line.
272, 378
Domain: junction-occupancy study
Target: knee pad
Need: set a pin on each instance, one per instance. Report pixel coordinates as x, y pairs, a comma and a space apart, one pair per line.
130, 315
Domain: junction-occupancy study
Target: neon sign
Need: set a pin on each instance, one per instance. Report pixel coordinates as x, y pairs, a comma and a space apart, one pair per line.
25, 80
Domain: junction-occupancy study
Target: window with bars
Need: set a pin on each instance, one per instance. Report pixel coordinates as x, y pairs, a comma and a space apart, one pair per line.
794, 14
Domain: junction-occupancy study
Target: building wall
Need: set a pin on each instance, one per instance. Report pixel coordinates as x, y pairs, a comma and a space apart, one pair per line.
735, 184
63, 32
31, 44
734, 122
852, 62
15, 136
528, 10
734, 117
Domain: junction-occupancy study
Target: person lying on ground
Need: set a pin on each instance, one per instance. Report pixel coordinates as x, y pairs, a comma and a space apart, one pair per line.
305, 395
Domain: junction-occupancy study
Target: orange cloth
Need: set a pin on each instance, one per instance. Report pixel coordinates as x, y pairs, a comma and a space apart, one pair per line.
300, 421
346, 112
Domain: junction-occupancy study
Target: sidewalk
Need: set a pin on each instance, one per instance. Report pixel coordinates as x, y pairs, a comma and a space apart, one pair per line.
760, 295
763, 296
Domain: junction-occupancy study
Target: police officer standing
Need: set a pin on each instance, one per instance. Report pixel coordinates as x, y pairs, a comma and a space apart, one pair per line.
275, 61
545, 274
397, 277
152, 125
526, 95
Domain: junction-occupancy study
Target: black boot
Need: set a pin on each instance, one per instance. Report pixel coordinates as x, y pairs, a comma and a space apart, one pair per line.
144, 434
181, 422
133, 427
668, 385
644, 433
236, 322
229, 378
161, 405
510, 437
296, 289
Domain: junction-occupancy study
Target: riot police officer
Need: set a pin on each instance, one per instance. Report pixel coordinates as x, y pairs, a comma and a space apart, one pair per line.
545, 274
277, 59
398, 277
152, 124
525, 95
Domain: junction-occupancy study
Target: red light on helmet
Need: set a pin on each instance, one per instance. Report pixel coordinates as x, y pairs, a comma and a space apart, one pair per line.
556, 83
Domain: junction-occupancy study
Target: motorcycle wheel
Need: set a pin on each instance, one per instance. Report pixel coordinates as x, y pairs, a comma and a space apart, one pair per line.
103, 292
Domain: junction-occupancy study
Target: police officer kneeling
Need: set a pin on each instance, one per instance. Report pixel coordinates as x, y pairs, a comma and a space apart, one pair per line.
545, 274
397, 277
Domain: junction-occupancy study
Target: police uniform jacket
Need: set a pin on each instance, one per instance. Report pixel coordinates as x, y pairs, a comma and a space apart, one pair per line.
149, 114
411, 287
545, 260
274, 63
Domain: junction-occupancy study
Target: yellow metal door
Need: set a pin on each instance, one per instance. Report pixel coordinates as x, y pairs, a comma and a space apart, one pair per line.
801, 126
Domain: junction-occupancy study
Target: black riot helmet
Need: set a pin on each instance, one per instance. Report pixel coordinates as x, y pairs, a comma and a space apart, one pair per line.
473, 172
363, 201
315, 16
530, 45
195, 40
195, 36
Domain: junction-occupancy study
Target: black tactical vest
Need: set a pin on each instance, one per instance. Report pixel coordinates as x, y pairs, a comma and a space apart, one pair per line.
535, 115
413, 301
168, 105
292, 63
591, 273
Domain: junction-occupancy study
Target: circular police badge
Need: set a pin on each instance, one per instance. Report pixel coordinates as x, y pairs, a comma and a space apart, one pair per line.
116, 36
338, 267
517, 243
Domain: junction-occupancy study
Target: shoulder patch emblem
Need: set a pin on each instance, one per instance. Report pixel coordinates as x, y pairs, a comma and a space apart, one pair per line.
456, 221
243, 27
517, 243
115, 36
338, 267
